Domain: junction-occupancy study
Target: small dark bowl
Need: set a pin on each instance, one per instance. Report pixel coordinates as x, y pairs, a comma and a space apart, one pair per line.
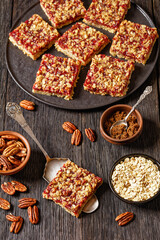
120, 107
26, 144
122, 159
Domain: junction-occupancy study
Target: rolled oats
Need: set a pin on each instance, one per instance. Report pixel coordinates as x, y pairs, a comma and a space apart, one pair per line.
136, 179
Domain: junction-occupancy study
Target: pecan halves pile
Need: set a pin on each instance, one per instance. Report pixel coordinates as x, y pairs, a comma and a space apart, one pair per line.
13, 152
124, 218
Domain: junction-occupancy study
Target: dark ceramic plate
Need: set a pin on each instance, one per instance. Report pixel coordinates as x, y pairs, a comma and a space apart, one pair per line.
23, 69
122, 159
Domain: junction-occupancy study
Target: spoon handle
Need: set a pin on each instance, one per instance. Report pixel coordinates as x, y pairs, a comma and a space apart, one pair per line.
14, 111
147, 91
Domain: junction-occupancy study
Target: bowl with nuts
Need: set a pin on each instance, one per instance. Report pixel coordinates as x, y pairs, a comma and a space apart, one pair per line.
135, 178
121, 134
14, 152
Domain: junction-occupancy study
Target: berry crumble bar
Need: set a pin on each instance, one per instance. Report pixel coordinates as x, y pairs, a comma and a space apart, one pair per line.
108, 75
63, 12
57, 76
34, 36
134, 41
81, 42
107, 14
72, 187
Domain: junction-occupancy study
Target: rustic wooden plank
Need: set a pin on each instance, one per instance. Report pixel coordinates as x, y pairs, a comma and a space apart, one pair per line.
97, 157
156, 10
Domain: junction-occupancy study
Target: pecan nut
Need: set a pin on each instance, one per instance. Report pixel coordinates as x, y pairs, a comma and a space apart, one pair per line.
16, 226
22, 152
12, 227
90, 134
76, 137
4, 204
33, 214
14, 161
28, 105
2, 143
9, 137
11, 150
69, 127
10, 142
26, 202
10, 217
5, 163
19, 186
124, 218
19, 144
8, 188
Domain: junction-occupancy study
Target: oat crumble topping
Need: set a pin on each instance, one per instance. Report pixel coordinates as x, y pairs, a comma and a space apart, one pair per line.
34, 36
72, 187
133, 41
81, 42
108, 75
63, 12
107, 14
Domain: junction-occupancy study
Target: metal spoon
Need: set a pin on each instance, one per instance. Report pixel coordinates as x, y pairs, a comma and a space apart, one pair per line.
52, 165
147, 91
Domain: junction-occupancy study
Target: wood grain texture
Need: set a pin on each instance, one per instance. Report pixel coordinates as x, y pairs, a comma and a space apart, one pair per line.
97, 157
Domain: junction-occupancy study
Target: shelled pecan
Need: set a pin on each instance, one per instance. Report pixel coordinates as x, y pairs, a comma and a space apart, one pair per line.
8, 188
11, 150
4, 204
9, 137
19, 186
10, 217
90, 134
76, 137
2, 143
33, 214
69, 127
26, 202
14, 160
28, 105
16, 226
5, 163
124, 218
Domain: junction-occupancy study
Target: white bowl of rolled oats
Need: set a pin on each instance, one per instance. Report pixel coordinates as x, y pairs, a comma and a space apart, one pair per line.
135, 178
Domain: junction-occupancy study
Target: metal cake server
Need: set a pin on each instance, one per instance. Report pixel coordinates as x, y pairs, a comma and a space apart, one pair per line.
52, 165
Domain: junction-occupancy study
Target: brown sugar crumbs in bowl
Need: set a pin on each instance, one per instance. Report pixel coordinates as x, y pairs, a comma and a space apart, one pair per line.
120, 131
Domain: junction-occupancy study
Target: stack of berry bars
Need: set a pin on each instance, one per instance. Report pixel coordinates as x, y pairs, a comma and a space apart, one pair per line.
34, 36
72, 188
57, 76
81, 42
108, 75
63, 12
107, 14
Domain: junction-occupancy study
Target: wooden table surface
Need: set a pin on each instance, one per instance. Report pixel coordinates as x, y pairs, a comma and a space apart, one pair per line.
97, 157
